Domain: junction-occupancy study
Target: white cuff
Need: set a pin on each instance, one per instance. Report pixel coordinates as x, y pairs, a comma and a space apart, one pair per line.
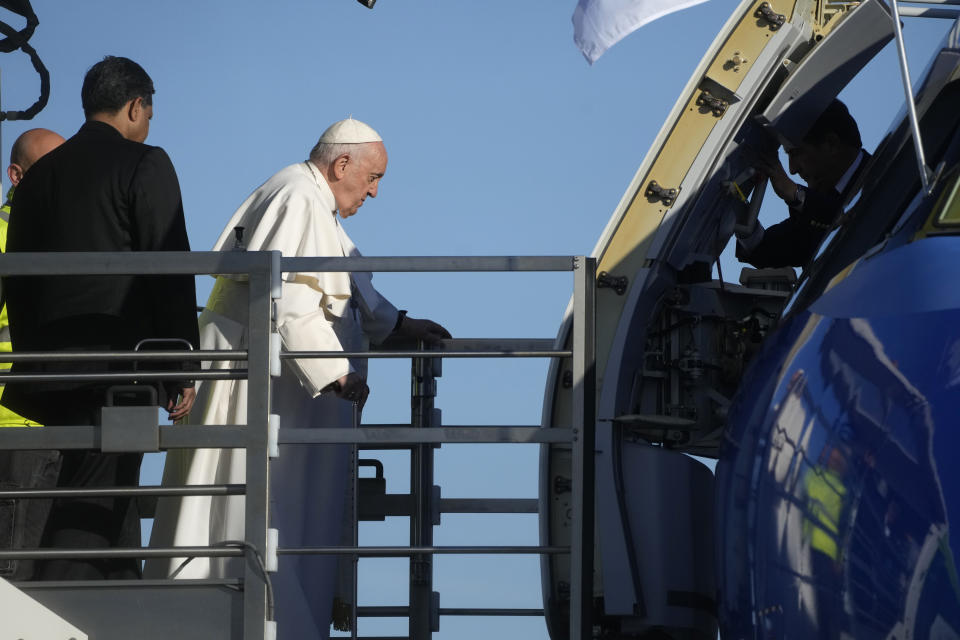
750, 242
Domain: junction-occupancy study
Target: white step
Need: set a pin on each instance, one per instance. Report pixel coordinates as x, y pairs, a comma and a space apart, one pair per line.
26, 619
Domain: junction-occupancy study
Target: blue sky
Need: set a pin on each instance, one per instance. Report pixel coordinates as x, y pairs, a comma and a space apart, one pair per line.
502, 141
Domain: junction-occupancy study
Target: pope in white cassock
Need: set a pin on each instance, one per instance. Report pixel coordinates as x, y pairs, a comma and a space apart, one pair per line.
293, 212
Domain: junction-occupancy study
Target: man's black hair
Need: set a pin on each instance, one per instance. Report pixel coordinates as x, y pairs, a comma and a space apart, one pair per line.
835, 119
113, 82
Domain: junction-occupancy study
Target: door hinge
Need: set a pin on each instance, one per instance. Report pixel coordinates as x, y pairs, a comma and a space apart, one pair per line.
664, 195
766, 12
607, 281
712, 103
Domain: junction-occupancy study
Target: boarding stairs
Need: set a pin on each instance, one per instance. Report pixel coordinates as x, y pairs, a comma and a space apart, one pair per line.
235, 609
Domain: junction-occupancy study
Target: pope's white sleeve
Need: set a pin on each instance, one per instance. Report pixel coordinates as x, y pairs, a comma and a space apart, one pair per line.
304, 326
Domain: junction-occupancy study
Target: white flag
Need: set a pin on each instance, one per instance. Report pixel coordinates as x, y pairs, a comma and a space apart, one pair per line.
600, 24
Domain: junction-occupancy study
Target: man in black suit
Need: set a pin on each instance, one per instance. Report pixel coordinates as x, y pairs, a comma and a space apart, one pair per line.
102, 190
830, 159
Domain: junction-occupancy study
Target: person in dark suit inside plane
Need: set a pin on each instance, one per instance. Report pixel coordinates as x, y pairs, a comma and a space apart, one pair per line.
101, 190
830, 159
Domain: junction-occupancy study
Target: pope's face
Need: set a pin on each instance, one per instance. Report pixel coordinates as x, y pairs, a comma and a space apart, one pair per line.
361, 178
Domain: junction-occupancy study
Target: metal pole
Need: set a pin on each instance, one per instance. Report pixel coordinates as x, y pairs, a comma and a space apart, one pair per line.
416, 435
355, 510
432, 264
399, 612
399, 552
911, 107
258, 409
423, 392
584, 415
541, 353
930, 2
109, 492
122, 356
122, 552
919, 12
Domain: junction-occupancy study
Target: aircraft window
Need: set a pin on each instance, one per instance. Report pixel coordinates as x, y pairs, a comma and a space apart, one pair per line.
950, 213
937, 215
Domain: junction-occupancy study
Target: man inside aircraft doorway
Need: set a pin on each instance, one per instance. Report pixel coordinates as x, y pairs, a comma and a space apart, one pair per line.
831, 160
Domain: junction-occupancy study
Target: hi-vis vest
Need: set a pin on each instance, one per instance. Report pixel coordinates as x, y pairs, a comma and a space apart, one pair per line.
8, 418
821, 524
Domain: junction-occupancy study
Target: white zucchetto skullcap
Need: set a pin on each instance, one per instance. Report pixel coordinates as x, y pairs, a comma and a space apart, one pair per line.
349, 131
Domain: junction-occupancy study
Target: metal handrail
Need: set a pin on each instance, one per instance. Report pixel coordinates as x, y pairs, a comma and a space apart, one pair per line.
130, 263
121, 356
262, 273
238, 263
120, 552
227, 552
231, 436
120, 376
239, 355
919, 12
145, 582
431, 264
399, 552
458, 348
400, 611
428, 435
438, 353
190, 490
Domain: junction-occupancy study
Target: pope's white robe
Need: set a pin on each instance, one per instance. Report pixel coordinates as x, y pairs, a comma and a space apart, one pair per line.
292, 212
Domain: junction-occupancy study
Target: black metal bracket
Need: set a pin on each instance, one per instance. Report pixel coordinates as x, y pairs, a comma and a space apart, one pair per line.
664, 195
775, 19
713, 103
607, 281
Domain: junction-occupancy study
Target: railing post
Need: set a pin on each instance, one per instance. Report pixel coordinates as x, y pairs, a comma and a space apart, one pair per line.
258, 409
423, 391
925, 173
584, 416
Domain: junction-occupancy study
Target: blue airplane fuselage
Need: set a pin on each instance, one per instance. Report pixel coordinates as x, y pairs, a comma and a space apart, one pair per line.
840, 477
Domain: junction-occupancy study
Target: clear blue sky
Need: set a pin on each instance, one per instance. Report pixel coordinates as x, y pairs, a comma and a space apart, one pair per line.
502, 141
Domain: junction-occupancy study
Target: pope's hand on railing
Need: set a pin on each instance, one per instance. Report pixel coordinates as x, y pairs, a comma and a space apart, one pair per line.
354, 388
180, 409
421, 329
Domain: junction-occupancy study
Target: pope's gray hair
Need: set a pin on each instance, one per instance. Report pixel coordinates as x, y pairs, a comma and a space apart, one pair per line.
323, 153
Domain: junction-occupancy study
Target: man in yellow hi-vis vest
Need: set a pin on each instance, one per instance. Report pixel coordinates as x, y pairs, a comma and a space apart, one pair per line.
28, 148
826, 497
22, 521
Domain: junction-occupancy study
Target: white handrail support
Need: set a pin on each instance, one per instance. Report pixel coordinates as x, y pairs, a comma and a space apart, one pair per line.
925, 173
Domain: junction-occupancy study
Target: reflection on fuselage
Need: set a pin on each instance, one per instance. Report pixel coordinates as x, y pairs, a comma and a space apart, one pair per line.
836, 482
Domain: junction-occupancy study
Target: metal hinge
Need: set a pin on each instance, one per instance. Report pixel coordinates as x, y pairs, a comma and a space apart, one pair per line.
714, 104
766, 12
607, 281
664, 195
